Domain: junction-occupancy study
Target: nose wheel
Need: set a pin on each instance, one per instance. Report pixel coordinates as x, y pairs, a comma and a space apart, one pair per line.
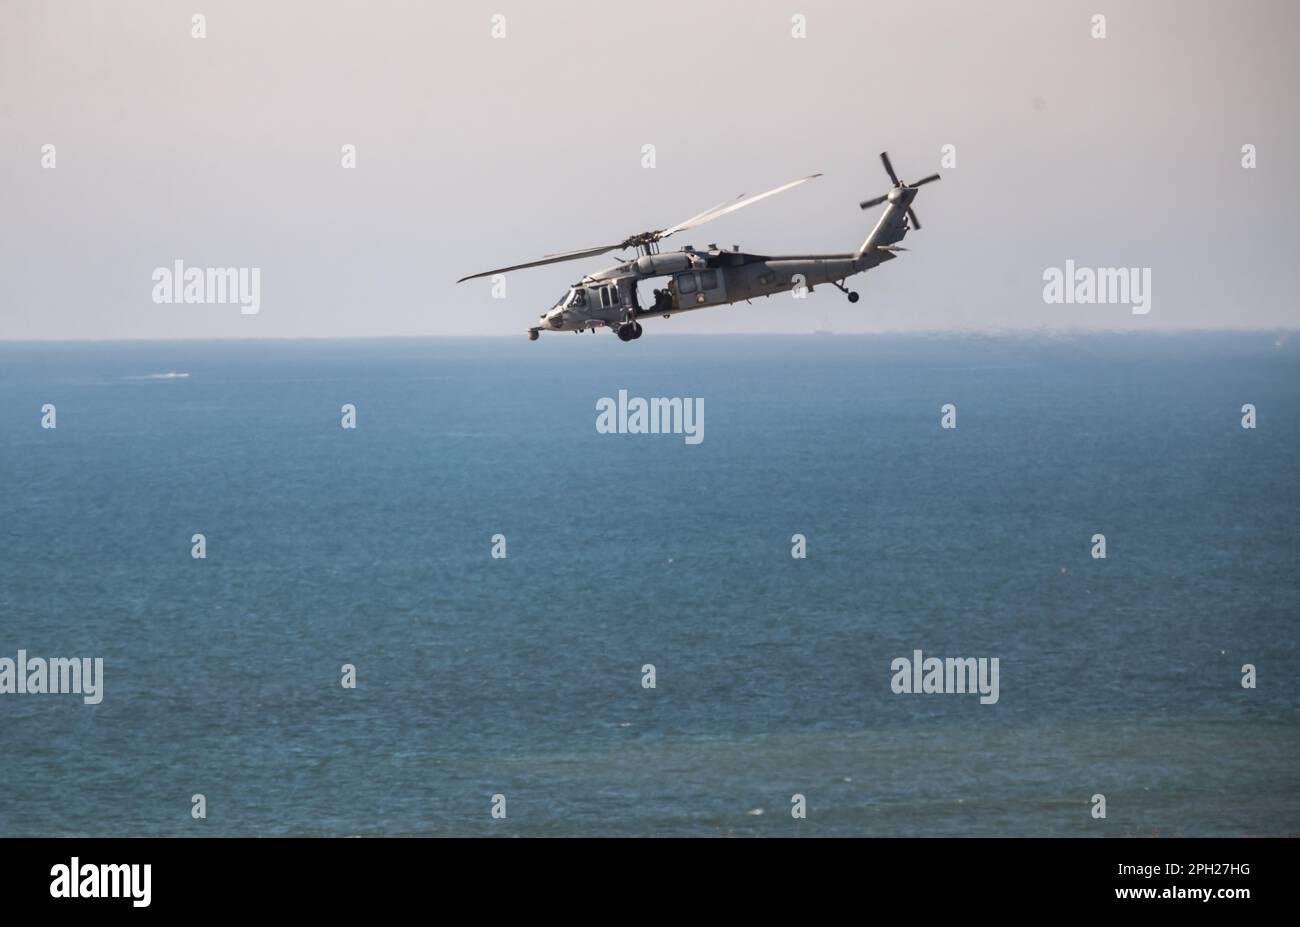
533, 334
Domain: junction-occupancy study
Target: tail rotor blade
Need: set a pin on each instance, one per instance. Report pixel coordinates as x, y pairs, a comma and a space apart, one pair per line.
889, 169
911, 214
925, 180
867, 204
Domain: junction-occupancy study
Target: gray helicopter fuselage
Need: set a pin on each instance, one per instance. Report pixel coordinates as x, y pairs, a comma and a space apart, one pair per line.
697, 280
715, 277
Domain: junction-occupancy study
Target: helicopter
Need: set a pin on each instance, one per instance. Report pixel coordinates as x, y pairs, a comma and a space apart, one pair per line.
699, 279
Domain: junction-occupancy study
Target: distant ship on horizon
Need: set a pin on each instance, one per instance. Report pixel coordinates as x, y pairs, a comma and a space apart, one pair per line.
824, 327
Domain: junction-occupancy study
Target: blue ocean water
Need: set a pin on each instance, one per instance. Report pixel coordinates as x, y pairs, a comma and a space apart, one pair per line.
522, 676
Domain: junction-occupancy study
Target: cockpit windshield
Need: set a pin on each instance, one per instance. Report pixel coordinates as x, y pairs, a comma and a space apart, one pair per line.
576, 298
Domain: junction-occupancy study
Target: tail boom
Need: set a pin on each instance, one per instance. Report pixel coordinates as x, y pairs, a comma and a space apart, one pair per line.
892, 226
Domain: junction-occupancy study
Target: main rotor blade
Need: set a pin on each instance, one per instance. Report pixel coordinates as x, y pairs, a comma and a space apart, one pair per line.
581, 252
889, 168
687, 223
867, 204
549, 259
699, 219
924, 180
718, 211
911, 214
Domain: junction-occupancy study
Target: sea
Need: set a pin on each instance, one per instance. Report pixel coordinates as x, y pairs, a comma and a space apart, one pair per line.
648, 658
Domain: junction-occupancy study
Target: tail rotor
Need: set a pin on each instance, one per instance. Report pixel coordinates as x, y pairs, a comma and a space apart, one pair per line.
892, 196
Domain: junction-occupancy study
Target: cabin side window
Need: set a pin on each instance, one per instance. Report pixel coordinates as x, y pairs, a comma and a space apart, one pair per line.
708, 279
686, 283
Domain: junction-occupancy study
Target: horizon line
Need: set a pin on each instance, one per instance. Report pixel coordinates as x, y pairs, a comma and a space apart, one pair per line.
975, 332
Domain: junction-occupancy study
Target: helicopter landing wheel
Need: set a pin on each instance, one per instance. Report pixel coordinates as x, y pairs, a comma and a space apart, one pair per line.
636, 330
624, 333
853, 297
532, 334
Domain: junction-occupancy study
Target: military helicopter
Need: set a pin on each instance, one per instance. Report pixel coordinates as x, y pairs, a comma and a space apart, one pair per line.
713, 277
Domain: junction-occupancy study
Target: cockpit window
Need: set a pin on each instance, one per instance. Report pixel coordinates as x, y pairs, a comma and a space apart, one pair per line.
578, 298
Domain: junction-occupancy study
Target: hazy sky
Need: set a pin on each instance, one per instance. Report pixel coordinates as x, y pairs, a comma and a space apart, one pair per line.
474, 152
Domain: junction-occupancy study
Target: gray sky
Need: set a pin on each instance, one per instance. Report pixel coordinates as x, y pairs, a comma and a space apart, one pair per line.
474, 152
